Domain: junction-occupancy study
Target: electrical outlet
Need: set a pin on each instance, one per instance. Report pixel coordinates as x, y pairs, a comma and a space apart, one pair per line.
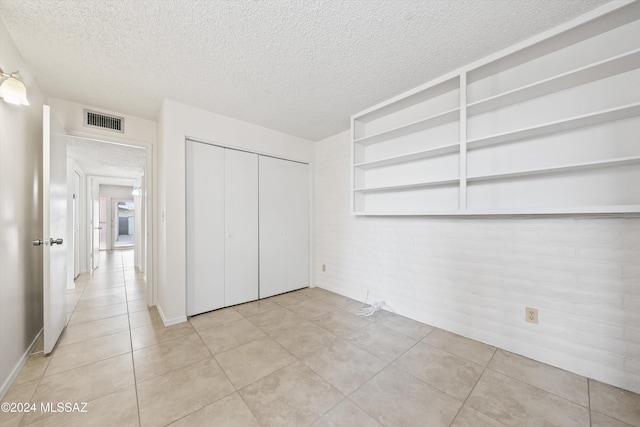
531, 314
324, 268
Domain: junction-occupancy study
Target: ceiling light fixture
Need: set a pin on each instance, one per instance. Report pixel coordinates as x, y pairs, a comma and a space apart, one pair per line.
12, 89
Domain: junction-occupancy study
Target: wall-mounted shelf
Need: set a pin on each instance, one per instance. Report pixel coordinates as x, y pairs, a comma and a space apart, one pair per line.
557, 169
600, 70
429, 122
435, 183
417, 155
433, 132
599, 117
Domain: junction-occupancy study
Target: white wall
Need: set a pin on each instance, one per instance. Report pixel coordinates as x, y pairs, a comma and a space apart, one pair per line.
20, 218
475, 276
178, 121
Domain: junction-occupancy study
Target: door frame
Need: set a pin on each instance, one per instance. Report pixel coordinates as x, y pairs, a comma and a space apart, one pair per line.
148, 251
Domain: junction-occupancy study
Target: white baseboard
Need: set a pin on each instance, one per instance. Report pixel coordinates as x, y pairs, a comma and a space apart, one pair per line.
16, 370
170, 322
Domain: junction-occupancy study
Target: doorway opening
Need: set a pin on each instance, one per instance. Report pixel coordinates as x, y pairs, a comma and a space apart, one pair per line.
123, 224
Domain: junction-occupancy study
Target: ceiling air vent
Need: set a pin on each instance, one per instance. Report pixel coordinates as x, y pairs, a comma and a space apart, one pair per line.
103, 121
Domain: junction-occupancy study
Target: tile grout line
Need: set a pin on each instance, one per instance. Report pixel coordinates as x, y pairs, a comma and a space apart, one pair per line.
474, 387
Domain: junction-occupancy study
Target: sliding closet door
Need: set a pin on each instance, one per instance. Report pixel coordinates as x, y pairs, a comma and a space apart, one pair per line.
241, 216
205, 193
284, 226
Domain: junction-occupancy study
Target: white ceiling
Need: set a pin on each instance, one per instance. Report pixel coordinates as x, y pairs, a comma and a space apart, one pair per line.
107, 159
298, 66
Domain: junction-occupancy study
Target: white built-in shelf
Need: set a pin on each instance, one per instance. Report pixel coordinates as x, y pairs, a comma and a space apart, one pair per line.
600, 70
429, 122
415, 131
417, 155
434, 183
621, 161
604, 116
563, 210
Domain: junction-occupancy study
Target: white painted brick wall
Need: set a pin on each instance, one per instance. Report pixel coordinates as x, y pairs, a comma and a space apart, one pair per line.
475, 276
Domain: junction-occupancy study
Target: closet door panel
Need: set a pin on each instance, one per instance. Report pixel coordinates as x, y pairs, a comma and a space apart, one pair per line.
205, 227
284, 226
241, 216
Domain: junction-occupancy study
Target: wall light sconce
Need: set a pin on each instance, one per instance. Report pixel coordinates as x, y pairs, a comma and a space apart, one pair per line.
12, 89
136, 191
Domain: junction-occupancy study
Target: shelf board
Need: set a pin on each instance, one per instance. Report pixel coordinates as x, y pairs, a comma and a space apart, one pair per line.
429, 122
621, 161
600, 70
418, 155
436, 183
567, 210
599, 117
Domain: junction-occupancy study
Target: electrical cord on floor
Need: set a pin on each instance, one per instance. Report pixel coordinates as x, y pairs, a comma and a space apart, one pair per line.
369, 309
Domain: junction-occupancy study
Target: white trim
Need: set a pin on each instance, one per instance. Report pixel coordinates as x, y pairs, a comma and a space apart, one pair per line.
16, 370
170, 322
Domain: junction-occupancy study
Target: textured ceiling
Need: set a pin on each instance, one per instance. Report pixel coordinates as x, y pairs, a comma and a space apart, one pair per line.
107, 159
298, 66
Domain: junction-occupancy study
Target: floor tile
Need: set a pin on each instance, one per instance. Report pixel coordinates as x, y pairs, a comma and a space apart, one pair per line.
469, 417
89, 351
289, 298
256, 307
340, 322
304, 339
155, 333
466, 348
336, 300
557, 381
346, 413
229, 411
315, 292
599, 420
230, 335
115, 409
293, 396
276, 320
33, 369
85, 383
17, 393
214, 318
515, 403
162, 358
614, 402
83, 316
92, 292
446, 372
86, 303
143, 318
344, 366
178, 393
250, 362
396, 398
97, 328
380, 341
406, 326
138, 305
312, 307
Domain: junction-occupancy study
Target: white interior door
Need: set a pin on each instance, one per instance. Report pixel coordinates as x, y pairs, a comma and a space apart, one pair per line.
241, 224
284, 226
205, 227
96, 226
54, 187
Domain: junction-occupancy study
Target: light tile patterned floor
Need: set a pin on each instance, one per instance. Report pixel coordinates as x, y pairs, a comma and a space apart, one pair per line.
299, 359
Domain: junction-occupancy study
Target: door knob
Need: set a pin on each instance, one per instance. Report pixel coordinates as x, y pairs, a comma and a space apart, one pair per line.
55, 241
38, 242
